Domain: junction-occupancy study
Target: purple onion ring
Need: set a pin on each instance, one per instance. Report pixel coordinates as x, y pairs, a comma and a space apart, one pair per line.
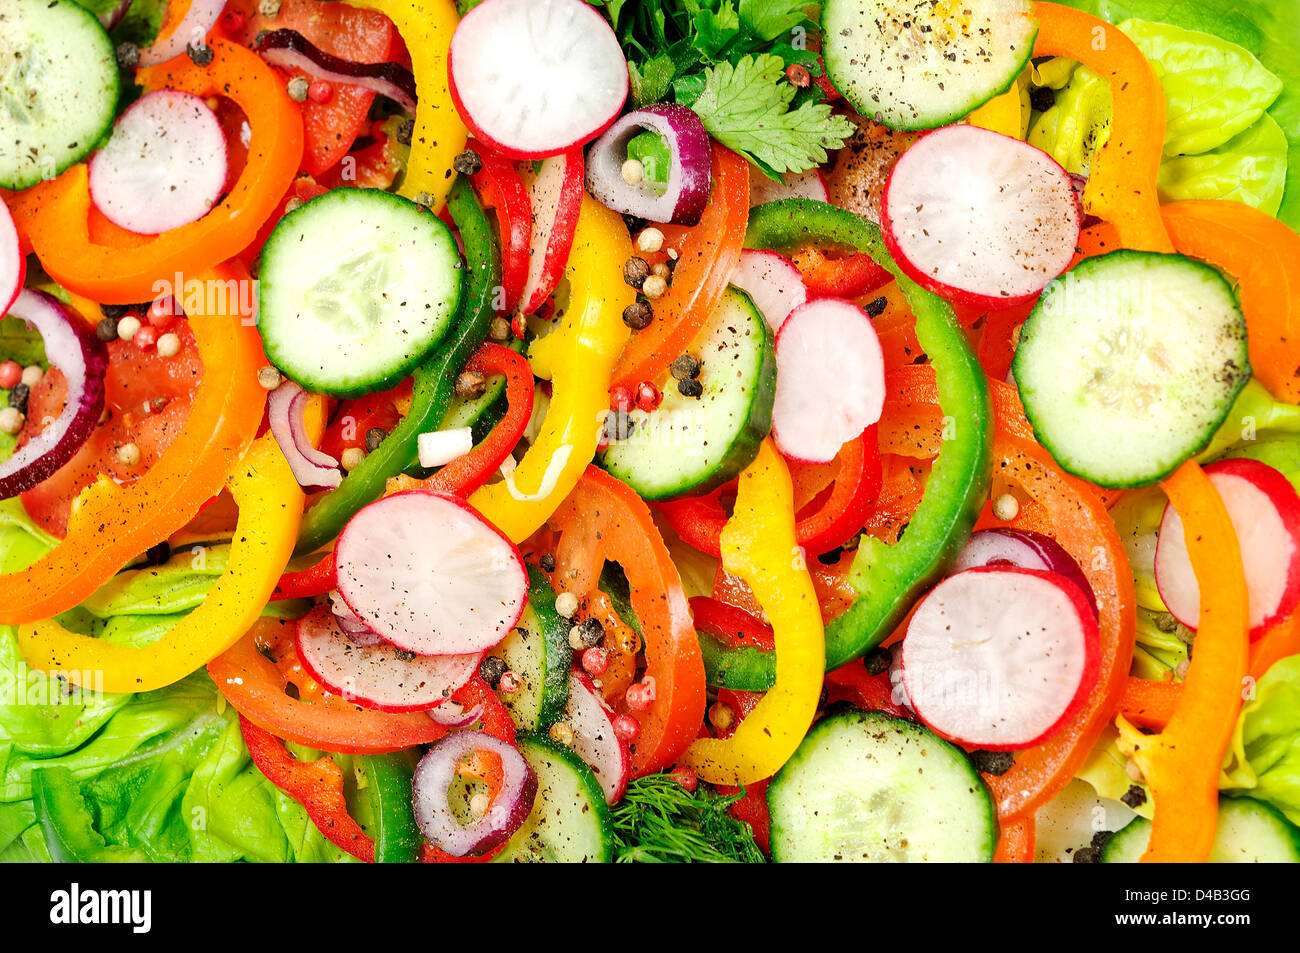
83, 359
291, 50
509, 809
689, 172
312, 469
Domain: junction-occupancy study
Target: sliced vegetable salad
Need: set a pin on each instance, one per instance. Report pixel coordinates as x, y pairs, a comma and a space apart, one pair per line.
674, 431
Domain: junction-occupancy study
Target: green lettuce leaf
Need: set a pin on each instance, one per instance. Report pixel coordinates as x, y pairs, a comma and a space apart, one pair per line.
1264, 758
1249, 168
1268, 29
1213, 89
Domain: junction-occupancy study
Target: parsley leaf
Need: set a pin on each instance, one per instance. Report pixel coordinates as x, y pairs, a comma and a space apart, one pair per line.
746, 107
768, 19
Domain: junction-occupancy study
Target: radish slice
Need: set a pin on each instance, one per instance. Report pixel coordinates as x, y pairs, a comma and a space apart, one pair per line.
830, 379
13, 263
979, 217
793, 185
199, 19
164, 166
1265, 512
774, 283
594, 740
430, 575
1000, 657
1023, 548
555, 194
534, 78
377, 676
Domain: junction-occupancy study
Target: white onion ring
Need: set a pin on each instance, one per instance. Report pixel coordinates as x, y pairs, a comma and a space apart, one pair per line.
507, 813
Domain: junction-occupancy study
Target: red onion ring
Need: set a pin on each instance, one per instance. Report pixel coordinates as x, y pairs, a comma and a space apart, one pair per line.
507, 813
83, 359
312, 469
351, 624
199, 20
113, 17
289, 49
453, 714
687, 191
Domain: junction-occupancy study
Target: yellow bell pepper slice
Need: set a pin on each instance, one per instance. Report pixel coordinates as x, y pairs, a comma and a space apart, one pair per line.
426, 27
270, 508
578, 358
759, 545
1181, 764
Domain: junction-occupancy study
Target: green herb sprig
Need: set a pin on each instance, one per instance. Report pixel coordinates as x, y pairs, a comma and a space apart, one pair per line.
659, 821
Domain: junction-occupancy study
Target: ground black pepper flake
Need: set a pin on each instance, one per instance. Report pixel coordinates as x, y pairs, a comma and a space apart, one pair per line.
1042, 98
877, 307
1134, 797
1087, 855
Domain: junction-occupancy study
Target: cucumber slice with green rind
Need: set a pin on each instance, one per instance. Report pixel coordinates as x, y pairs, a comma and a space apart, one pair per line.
869, 787
58, 88
356, 287
570, 822
1129, 363
1249, 832
537, 648
916, 65
691, 445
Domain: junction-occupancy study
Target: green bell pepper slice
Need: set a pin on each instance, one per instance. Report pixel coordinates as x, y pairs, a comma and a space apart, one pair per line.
388, 785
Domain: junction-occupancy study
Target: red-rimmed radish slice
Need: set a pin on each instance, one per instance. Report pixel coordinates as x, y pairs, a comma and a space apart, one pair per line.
555, 194
1265, 512
199, 19
830, 379
13, 263
999, 657
979, 217
1023, 548
774, 283
594, 740
427, 573
377, 676
350, 623
164, 166
793, 185
534, 78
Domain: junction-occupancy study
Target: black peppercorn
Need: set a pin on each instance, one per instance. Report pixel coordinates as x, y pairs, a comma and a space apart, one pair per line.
405, 130
157, 555
876, 307
491, 669
547, 562
200, 55
18, 398
128, 55
877, 661
467, 162
106, 330
1042, 98
1134, 797
685, 367
374, 437
636, 271
1087, 855
638, 315
992, 762
690, 387
113, 311
586, 634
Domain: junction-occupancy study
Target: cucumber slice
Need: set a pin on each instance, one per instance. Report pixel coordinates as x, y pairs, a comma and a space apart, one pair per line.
357, 286
1250, 832
537, 648
915, 65
569, 823
692, 444
1129, 364
868, 787
58, 88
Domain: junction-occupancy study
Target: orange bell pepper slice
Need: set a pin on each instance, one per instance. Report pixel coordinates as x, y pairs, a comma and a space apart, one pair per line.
707, 255
1181, 764
1067, 510
123, 267
111, 524
1122, 184
1015, 842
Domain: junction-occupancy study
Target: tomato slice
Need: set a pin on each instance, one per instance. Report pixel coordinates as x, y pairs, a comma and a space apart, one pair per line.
147, 397
603, 519
362, 36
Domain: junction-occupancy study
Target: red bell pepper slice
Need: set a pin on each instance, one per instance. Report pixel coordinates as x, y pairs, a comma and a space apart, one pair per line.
603, 519
698, 520
550, 249
731, 624
500, 188
850, 276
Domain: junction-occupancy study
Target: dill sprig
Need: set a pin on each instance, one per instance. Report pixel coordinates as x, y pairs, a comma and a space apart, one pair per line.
659, 821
